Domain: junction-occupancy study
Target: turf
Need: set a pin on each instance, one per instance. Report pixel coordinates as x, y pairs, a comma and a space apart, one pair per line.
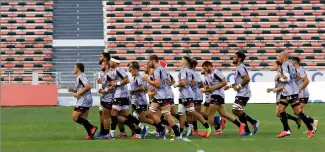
50, 129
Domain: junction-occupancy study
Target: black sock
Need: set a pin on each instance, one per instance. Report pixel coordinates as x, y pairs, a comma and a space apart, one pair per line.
133, 119
80, 120
160, 127
181, 130
114, 122
137, 131
206, 125
292, 117
122, 130
176, 131
311, 120
305, 119
250, 119
217, 127
163, 120
105, 132
186, 124
242, 119
102, 128
236, 122
284, 120
85, 123
195, 125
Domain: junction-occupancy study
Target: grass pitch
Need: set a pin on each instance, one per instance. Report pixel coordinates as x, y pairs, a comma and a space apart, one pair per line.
51, 129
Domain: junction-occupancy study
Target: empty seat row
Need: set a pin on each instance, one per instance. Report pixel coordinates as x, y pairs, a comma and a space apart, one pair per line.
205, 45
7, 78
22, 9
217, 26
14, 15
214, 2
208, 14
21, 59
24, 21
217, 8
27, 27
211, 38
213, 51
25, 72
21, 65
168, 32
210, 20
47, 3
26, 46
28, 40
25, 52
3, 33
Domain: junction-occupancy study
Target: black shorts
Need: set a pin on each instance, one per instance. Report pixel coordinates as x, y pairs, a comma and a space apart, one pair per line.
241, 100
106, 105
198, 102
291, 99
206, 104
81, 109
171, 101
141, 108
121, 101
161, 102
185, 101
303, 100
134, 107
217, 99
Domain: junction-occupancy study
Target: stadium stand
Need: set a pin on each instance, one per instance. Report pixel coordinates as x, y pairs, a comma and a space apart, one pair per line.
26, 41
214, 30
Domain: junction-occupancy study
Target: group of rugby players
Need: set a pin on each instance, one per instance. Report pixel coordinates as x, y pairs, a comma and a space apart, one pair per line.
157, 83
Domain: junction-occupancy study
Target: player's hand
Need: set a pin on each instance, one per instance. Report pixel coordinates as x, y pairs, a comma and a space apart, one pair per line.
99, 81
175, 85
208, 88
300, 90
113, 83
275, 90
285, 77
71, 90
102, 91
228, 87
131, 92
76, 95
268, 90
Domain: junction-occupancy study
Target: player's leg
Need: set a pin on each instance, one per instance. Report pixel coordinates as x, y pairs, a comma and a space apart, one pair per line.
181, 116
238, 110
294, 102
101, 132
303, 103
211, 116
155, 116
80, 115
224, 113
197, 104
190, 109
283, 117
165, 109
116, 108
107, 107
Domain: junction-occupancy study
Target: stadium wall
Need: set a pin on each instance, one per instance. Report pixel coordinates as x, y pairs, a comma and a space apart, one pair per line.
29, 95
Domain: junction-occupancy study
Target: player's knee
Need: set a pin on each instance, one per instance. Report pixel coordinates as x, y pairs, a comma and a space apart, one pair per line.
296, 111
153, 109
75, 118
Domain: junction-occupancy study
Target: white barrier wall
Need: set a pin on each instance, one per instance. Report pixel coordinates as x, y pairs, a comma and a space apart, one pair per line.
260, 81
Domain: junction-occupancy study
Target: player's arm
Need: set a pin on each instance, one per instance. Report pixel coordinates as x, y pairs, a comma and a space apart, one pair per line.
72, 90
138, 89
286, 75
305, 83
222, 84
182, 82
86, 87
201, 85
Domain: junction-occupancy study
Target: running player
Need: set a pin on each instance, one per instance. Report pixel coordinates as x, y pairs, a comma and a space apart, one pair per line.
241, 85
161, 98
103, 57
216, 82
107, 95
302, 82
121, 99
186, 97
290, 96
198, 96
82, 92
138, 95
278, 90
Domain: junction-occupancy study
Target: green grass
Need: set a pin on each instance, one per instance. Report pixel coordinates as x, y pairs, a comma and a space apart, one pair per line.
50, 129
